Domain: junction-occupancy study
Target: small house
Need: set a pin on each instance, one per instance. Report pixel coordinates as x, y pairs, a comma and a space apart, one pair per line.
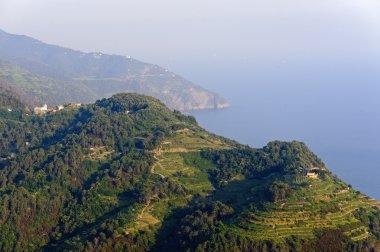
41, 110
312, 175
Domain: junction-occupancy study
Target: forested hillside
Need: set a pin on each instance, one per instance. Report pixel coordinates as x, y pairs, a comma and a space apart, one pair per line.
13, 105
129, 174
11, 98
57, 75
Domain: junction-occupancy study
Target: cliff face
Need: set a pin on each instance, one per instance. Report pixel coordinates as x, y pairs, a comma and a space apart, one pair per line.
59, 75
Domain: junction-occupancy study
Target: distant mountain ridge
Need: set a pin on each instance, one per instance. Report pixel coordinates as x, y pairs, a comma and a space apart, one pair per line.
91, 76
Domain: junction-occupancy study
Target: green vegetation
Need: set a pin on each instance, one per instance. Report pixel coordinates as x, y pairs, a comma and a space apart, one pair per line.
128, 174
42, 89
9, 99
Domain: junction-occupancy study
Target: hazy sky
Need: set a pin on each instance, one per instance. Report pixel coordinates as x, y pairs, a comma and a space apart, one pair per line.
170, 31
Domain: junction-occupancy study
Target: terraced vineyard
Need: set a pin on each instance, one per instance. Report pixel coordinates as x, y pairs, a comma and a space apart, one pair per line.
327, 203
192, 140
323, 203
178, 159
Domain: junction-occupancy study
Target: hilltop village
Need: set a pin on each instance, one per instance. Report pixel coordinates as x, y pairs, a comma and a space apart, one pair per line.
44, 109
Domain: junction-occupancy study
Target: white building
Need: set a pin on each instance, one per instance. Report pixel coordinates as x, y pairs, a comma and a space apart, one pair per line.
41, 110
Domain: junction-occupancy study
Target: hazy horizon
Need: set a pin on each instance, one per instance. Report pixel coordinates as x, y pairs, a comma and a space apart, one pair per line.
171, 33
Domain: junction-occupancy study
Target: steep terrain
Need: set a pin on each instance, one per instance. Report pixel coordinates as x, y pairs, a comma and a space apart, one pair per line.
11, 98
40, 89
59, 75
13, 105
127, 173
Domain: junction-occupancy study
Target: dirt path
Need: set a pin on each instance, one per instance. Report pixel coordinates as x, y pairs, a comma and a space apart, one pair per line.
148, 204
157, 152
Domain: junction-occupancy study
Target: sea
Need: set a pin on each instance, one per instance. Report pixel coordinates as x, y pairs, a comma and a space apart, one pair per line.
331, 105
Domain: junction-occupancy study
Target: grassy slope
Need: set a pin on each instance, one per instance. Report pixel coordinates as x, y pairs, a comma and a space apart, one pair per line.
317, 204
327, 203
42, 89
178, 159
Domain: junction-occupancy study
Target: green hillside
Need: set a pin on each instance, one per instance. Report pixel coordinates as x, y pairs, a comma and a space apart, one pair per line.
10, 98
128, 174
13, 105
41, 89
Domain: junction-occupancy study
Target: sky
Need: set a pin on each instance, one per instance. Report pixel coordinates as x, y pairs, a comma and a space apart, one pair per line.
173, 32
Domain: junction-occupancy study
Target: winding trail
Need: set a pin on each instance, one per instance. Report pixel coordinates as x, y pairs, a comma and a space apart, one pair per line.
148, 204
155, 155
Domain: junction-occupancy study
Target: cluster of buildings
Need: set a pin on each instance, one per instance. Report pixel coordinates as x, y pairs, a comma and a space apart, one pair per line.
44, 109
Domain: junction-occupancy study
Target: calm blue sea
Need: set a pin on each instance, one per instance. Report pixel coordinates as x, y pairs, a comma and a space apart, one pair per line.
334, 107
